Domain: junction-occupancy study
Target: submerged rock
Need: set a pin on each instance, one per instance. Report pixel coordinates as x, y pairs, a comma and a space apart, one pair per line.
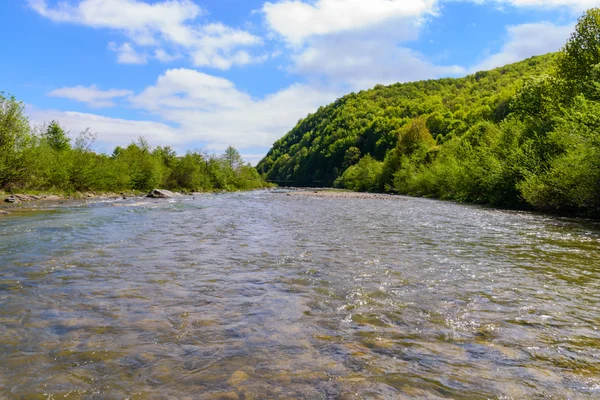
161, 194
2, 212
238, 377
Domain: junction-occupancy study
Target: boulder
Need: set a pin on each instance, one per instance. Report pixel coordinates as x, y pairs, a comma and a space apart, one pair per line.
52, 197
12, 199
161, 194
26, 197
2, 212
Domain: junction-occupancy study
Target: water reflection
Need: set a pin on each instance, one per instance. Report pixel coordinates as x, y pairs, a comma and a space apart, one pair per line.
263, 295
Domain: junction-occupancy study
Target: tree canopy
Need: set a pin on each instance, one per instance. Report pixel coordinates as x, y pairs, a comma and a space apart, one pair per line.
47, 159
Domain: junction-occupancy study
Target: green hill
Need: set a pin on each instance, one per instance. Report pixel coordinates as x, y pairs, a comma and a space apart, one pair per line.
526, 135
324, 144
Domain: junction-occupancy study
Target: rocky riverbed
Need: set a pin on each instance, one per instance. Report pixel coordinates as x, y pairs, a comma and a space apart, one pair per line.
343, 194
20, 201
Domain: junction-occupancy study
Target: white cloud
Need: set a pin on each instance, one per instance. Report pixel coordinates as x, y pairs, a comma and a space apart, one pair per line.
211, 109
163, 56
111, 131
197, 108
252, 158
296, 20
92, 95
361, 62
355, 44
525, 41
575, 5
171, 23
126, 54
190, 89
142, 21
216, 46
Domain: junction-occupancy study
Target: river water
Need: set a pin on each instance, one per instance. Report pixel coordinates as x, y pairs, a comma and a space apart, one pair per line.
264, 295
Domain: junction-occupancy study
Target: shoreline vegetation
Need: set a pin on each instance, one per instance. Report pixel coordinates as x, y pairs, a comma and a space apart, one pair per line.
45, 159
523, 136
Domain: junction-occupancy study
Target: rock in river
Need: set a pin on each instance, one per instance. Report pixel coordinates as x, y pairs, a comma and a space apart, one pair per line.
161, 194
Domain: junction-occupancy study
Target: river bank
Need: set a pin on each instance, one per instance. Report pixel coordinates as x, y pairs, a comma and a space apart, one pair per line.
10, 202
38, 200
342, 194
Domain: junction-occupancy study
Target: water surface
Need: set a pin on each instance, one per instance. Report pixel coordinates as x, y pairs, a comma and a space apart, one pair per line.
264, 295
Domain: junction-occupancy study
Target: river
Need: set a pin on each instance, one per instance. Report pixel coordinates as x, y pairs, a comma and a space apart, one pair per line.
268, 295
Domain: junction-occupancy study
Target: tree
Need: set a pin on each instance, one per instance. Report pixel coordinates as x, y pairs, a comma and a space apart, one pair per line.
415, 136
578, 61
14, 137
232, 158
351, 157
56, 137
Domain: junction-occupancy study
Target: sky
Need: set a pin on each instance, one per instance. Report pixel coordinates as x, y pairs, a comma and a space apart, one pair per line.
206, 74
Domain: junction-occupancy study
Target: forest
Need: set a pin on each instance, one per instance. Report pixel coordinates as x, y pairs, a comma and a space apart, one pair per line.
523, 136
46, 159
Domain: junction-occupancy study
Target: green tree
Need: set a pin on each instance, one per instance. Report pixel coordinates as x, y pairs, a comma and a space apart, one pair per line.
352, 156
14, 139
56, 137
232, 158
577, 63
362, 177
414, 137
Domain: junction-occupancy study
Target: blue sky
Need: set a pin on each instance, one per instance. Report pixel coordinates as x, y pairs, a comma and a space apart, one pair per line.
205, 74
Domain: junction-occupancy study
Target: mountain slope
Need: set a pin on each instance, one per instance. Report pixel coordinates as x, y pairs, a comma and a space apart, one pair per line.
324, 144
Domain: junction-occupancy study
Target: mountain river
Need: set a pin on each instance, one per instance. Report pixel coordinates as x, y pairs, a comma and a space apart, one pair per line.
271, 295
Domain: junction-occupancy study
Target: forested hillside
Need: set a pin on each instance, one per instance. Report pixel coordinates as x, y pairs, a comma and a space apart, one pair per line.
324, 144
524, 135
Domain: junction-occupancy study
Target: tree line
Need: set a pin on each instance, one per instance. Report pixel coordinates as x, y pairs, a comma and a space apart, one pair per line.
525, 135
46, 159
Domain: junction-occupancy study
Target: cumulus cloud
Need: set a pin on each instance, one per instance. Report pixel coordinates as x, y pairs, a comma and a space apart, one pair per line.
156, 25
194, 109
217, 45
92, 95
361, 61
355, 44
297, 20
525, 41
211, 109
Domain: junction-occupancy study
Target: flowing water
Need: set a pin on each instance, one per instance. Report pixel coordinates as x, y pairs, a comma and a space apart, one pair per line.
264, 295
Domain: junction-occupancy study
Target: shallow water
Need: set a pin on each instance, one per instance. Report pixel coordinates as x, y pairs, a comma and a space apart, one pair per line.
264, 295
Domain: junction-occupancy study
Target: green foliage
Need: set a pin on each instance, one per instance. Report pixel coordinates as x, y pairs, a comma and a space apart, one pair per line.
578, 62
318, 149
571, 180
415, 138
46, 160
14, 139
232, 158
56, 137
362, 177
